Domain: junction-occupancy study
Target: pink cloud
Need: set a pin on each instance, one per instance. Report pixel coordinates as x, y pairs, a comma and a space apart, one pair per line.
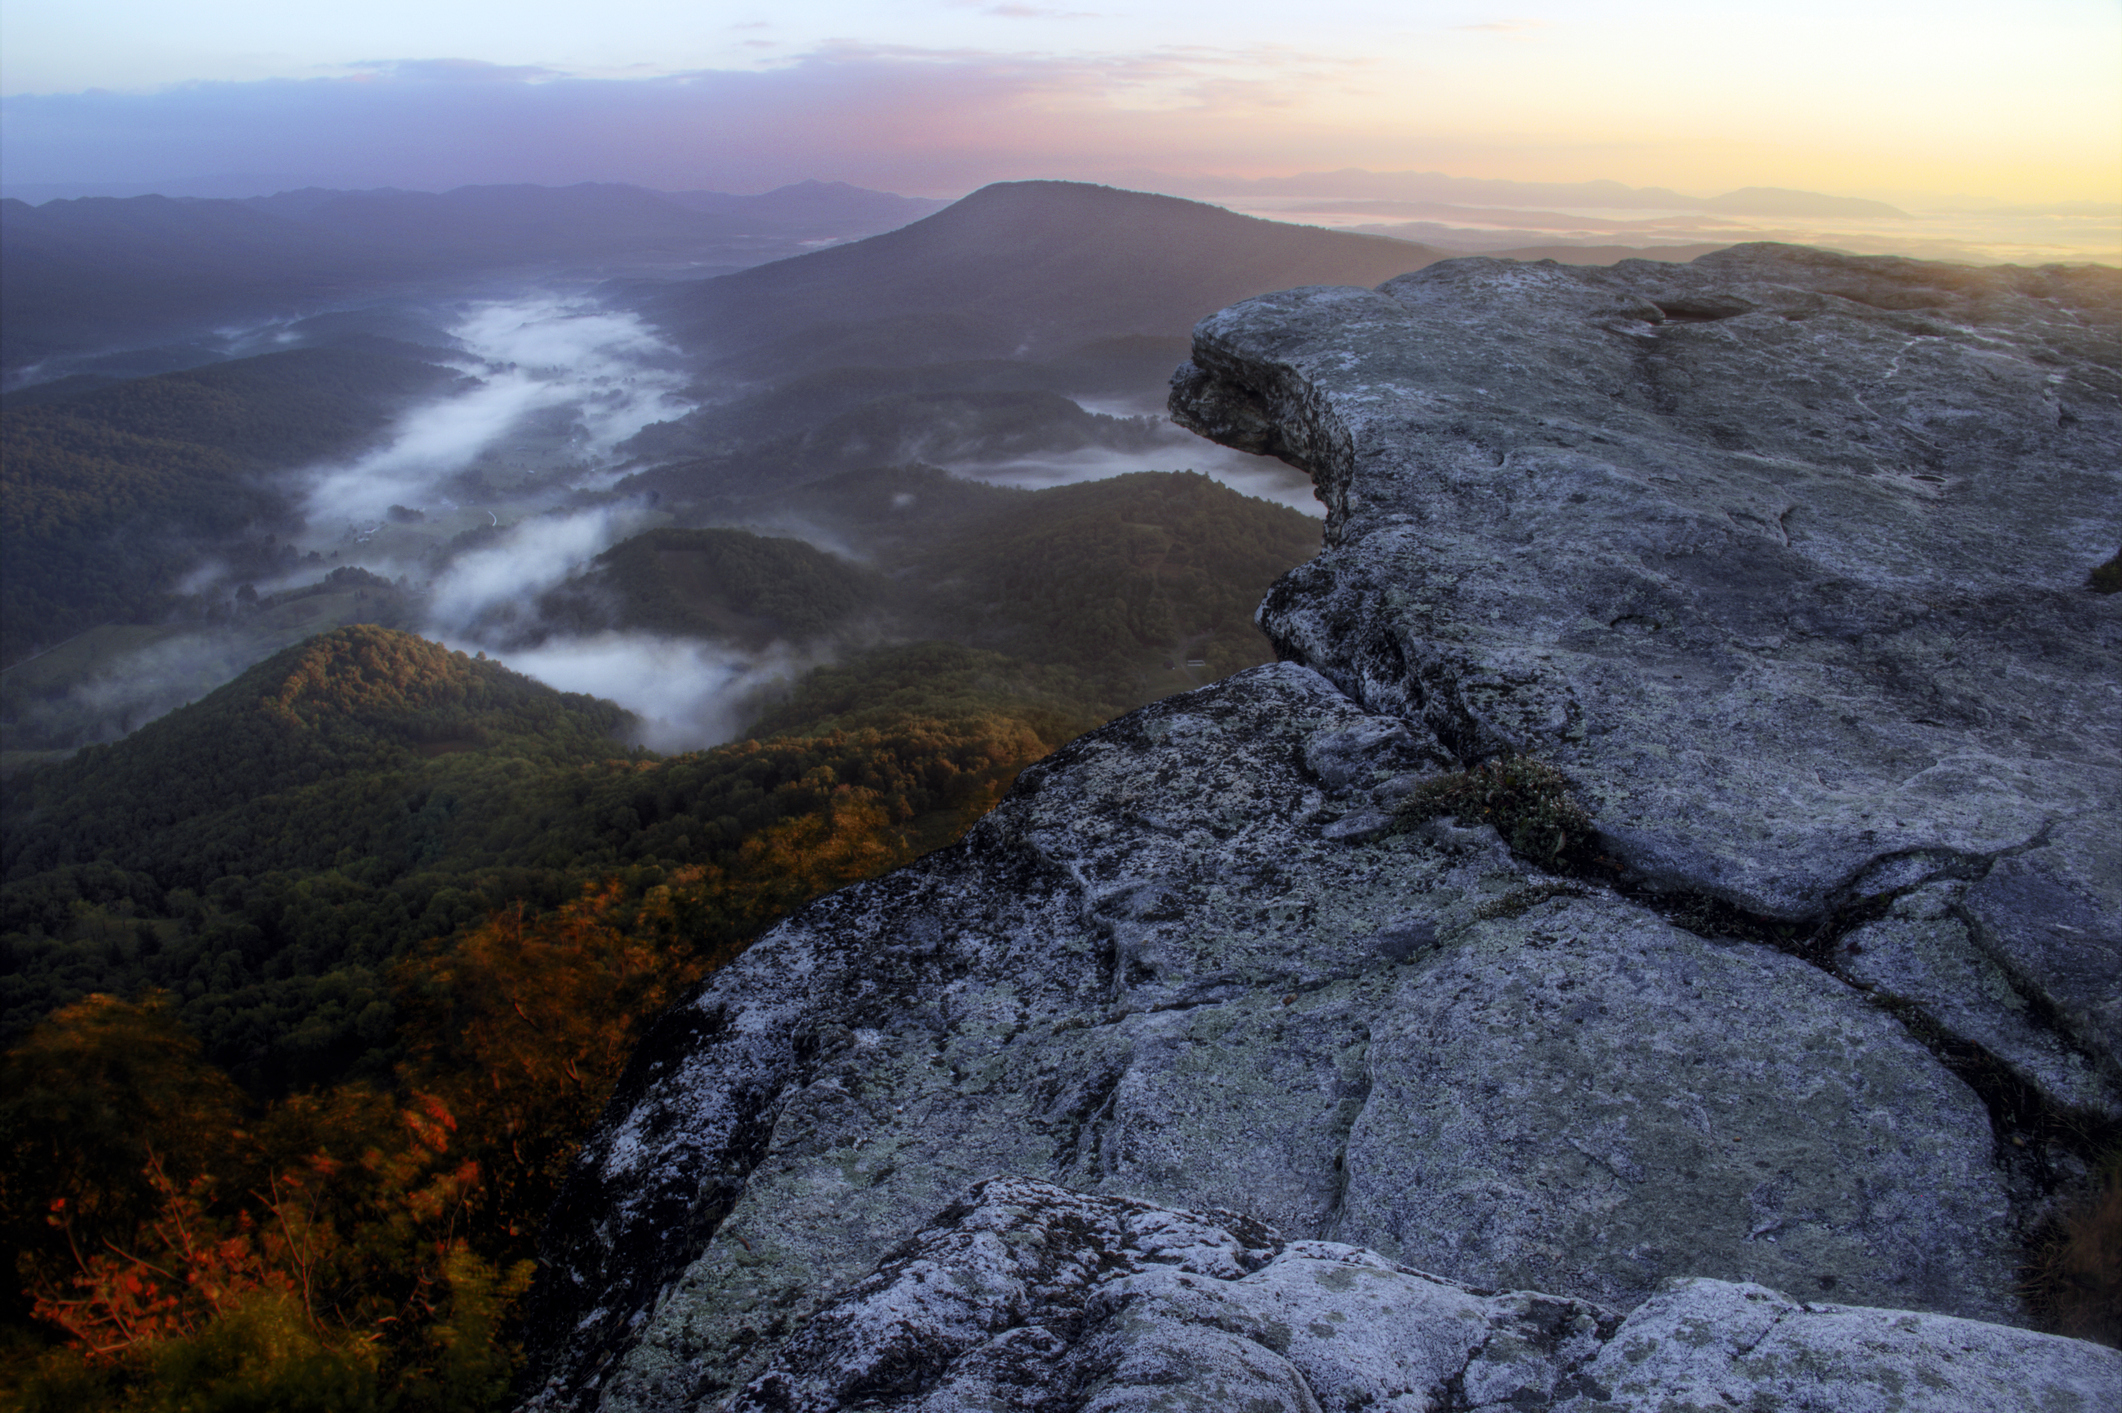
904, 119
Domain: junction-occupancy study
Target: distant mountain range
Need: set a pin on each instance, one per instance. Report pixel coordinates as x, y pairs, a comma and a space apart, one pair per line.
1016, 270
101, 271
97, 272
593, 219
1033, 271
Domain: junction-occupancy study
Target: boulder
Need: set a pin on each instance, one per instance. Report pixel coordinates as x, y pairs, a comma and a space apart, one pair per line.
1788, 963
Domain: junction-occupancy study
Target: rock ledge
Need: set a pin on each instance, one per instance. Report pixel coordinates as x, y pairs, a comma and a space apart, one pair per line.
1780, 557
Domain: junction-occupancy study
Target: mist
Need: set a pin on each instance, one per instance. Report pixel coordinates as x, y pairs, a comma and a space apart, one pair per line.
688, 693
475, 503
1259, 476
597, 375
472, 504
127, 689
555, 385
528, 558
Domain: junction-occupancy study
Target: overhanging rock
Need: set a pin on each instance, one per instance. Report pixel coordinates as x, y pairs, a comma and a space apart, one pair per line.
1806, 1013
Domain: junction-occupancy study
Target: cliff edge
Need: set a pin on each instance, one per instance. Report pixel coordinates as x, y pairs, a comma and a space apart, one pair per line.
1677, 870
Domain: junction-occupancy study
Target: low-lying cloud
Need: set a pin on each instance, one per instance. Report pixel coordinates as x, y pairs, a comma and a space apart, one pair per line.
533, 556
130, 689
560, 383
604, 370
1257, 476
688, 693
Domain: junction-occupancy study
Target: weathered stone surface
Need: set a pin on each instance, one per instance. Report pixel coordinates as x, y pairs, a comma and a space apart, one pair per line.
1036, 1298
1152, 972
1847, 683
1924, 952
1780, 554
1594, 1102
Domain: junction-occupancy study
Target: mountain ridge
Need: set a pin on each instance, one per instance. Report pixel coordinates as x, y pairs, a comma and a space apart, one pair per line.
93, 272
1603, 194
1020, 269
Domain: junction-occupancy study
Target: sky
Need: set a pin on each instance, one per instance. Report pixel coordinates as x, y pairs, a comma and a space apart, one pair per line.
2018, 103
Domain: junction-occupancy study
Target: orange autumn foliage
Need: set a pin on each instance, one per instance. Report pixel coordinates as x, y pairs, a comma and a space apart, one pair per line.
524, 1023
184, 1268
389, 1234
240, 1246
356, 1232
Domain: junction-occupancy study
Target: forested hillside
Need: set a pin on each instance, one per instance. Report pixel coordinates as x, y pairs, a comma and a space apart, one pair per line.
725, 584
370, 930
266, 852
1121, 583
1122, 580
105, 497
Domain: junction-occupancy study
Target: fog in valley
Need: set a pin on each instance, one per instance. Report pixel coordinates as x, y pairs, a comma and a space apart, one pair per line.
1254, 476
463, 509
512, 393
554, 386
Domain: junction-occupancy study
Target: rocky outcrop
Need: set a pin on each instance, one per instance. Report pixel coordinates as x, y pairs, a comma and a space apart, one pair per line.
1780, 555
1789, 963
1035, 1297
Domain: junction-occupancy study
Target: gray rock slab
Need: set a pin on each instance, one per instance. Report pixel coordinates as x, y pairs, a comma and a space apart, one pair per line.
2048, 915
1554, 1103
1156, 972
1781, 554
1038, 1298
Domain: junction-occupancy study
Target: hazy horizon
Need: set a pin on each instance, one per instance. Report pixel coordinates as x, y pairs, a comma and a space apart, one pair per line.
1525, 217
935, 100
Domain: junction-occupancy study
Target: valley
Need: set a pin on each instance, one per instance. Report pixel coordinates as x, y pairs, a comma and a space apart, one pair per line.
554, 607
560, 423
438, 633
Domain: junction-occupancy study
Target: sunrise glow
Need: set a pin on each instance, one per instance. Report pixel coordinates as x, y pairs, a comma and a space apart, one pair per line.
2023, 105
